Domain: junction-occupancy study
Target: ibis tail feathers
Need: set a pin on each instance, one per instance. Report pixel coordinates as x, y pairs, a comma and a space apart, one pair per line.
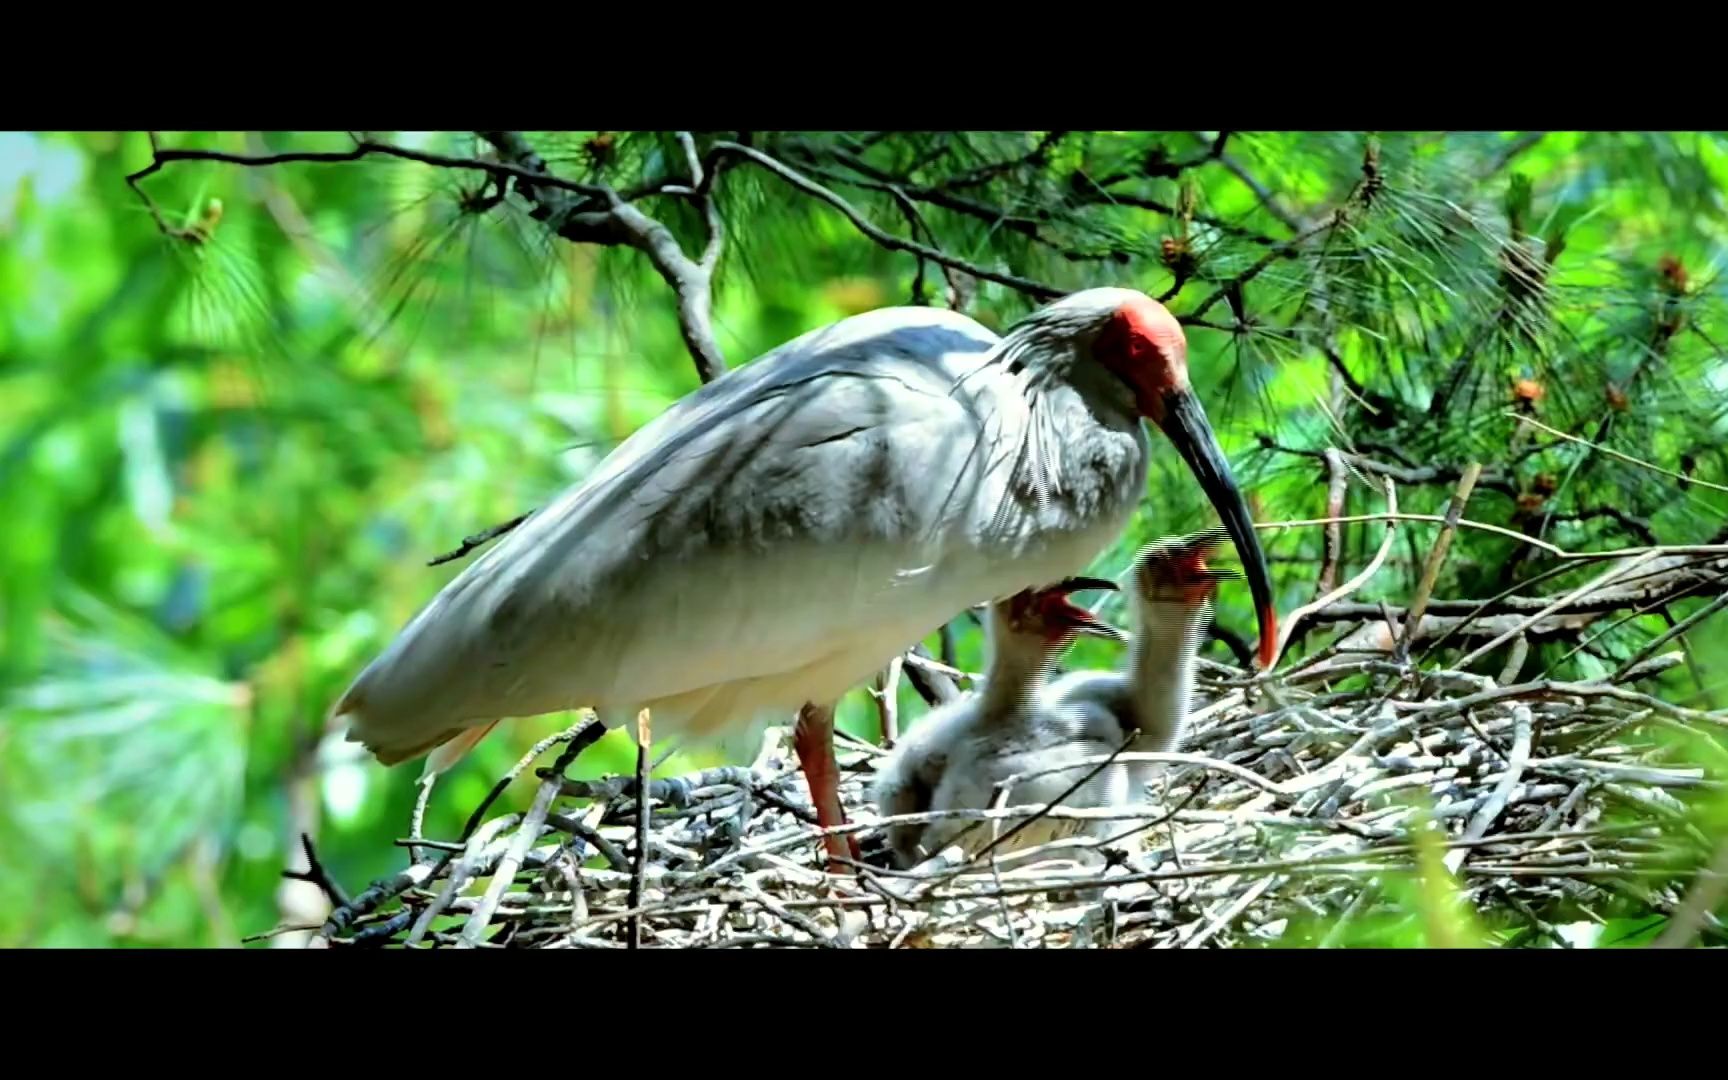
445, 756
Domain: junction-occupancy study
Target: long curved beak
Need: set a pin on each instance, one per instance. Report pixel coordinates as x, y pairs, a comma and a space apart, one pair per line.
1185, 424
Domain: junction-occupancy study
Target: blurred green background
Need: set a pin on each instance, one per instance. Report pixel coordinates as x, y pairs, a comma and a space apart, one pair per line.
224, 466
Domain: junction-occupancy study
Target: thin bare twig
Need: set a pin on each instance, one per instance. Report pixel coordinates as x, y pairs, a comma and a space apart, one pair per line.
1295, 618
532, 824
1437, 557
317, 875
1613, 453
1496, 802
1336, 487
887, 695
1669, 635
475, 540
1583, 590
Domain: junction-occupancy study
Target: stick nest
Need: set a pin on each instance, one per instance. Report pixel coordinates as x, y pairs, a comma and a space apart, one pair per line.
1295, 800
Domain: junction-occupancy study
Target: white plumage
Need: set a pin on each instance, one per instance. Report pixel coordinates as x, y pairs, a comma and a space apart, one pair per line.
779, 535
1054, 733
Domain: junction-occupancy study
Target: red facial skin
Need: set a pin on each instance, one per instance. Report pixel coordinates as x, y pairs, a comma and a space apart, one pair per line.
1144, 346
1055, 618
1063, 619
1185, 577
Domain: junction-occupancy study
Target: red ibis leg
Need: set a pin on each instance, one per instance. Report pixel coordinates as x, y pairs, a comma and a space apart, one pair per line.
813, 737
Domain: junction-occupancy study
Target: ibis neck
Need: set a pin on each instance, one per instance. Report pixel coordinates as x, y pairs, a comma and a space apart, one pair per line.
1161, 671
1017, 666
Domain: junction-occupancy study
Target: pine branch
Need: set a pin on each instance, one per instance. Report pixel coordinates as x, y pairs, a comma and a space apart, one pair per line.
622, 222
1035, 289
362, 148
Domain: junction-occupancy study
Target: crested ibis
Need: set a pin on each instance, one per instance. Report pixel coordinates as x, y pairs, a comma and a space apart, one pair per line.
1152, 697
953, 757
1053, 734
777, 536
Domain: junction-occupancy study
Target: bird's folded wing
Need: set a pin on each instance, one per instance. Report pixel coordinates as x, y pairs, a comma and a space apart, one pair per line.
731, 538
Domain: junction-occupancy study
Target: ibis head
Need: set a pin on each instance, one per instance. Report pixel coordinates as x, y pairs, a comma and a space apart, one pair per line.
1143, 345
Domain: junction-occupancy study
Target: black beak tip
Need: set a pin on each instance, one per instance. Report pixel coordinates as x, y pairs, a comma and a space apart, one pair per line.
1082, 584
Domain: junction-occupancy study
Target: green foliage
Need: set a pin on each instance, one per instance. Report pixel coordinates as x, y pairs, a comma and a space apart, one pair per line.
231, 439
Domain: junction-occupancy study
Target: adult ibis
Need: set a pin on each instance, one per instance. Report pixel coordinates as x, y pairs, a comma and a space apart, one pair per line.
779, 535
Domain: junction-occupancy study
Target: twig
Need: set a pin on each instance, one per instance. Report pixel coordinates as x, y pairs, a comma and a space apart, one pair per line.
1716, 550
469, 543
1545, 687
532, 824
1663, 588
1230, 912
1496, 802
1583, 590
467, 866
1514, 660
1261, 192
1437, 557
1613, 453
887, 695
587, 833
795, 918
1036, 289
1334, 542
929, 677
1006, 785
317, 875
623, 223
1390, 517
1703, 898
580, 736
1282, 251
278, 931
1669, 635
417, 823
377, 893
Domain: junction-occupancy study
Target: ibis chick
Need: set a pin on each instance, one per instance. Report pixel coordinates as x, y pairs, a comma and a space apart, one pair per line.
1153, 696
954, 758
1055, 735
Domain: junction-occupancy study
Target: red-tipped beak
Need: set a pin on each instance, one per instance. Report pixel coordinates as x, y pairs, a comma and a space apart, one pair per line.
1185, 424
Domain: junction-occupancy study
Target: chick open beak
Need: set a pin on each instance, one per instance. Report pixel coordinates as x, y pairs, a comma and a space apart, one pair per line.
1078, 618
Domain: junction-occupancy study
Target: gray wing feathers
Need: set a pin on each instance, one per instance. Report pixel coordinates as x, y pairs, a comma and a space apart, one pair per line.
779, 457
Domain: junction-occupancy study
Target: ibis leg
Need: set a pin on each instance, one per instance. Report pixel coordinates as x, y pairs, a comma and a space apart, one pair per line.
813, 736
639, 869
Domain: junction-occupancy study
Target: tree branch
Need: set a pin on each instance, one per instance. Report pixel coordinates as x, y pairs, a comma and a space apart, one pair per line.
317, 875
623, 223
362, 148
1684, 582
1333, 549
1428, 474
1036, 289
1261, 192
